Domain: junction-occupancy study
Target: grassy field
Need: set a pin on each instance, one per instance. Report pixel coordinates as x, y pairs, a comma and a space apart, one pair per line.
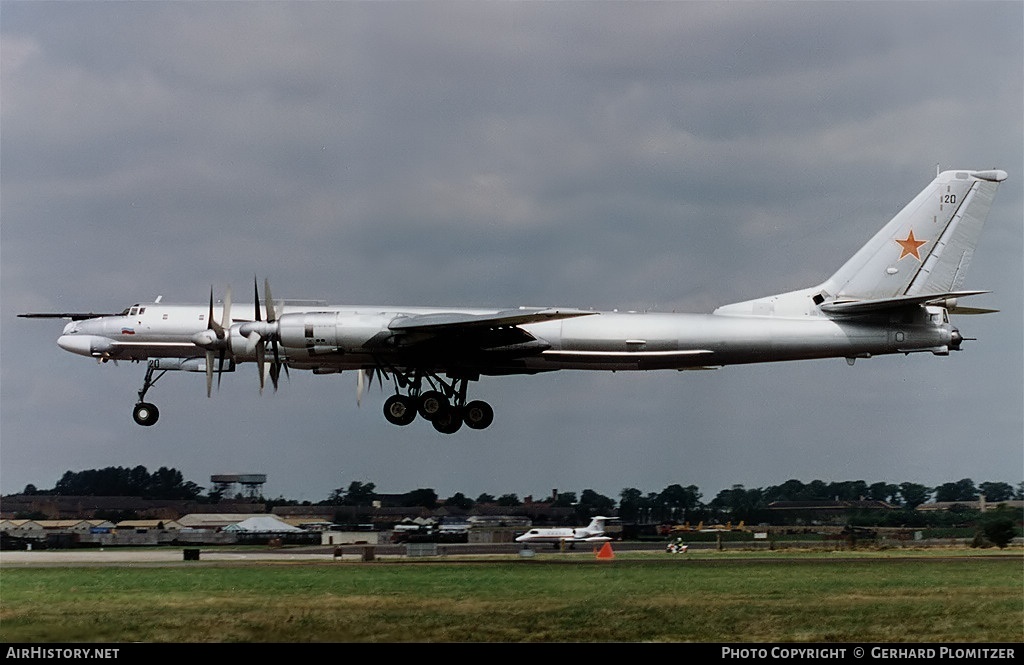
885, 597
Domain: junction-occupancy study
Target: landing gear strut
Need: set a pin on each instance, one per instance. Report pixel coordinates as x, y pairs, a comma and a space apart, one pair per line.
144, 413
444, 405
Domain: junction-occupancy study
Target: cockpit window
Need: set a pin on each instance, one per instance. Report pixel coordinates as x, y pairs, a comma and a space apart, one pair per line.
133, 311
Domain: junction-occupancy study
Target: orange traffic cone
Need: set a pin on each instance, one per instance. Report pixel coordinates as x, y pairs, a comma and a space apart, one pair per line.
606, 552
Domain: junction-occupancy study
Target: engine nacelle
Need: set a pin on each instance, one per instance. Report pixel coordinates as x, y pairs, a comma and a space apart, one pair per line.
332, 332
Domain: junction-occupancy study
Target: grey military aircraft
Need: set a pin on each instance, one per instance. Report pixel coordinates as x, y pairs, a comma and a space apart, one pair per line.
893, 296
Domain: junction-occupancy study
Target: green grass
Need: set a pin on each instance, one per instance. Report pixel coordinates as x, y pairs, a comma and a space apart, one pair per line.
771, 598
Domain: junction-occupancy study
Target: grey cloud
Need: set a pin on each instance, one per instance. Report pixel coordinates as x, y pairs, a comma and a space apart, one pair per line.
632, 155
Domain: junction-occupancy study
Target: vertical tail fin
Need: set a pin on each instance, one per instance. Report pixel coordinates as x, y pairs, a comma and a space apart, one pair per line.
927, 246
924, 250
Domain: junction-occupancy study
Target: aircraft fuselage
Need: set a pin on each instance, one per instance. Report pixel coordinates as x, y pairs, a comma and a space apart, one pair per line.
353, 338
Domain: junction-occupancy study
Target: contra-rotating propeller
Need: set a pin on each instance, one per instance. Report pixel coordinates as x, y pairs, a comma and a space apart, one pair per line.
259, 331
215, 338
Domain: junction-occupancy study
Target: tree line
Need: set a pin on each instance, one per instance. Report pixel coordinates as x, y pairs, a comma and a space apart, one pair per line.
673, 503
164, 483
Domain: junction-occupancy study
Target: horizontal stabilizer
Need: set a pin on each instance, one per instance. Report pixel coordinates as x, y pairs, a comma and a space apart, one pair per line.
971, 310
874, 306
460, 320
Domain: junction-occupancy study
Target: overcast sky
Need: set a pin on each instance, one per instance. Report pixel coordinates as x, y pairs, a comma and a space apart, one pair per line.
655, 155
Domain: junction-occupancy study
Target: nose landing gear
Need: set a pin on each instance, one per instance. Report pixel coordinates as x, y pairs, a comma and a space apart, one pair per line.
145, 413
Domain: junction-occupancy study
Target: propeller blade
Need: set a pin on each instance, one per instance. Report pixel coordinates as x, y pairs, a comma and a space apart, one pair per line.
220, 366
225, 320
226, 326
219, 331
256, 289
360, 384
209, 372
275, 369
261, 363
271, 316
210, 323
258, 342
209, 316
260, 335
275, 372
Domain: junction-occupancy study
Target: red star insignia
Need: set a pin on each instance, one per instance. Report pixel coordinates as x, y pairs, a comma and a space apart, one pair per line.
910, 246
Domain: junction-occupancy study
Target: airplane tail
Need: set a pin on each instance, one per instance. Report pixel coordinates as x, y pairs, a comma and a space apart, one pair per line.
597, 524
920, 256
926, 247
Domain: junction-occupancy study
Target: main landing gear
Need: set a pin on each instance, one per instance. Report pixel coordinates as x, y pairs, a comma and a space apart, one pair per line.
144, 413
444, 406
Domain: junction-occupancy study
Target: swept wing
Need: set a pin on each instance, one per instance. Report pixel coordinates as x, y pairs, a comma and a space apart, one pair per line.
447, 322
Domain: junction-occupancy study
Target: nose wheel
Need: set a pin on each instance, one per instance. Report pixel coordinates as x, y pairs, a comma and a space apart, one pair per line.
145, 414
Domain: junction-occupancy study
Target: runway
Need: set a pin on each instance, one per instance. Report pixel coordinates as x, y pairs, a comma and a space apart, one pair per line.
173, 555
149, 556
190, 555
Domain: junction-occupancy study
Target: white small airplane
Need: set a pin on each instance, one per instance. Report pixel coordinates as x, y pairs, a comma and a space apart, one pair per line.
558, 536
893, 296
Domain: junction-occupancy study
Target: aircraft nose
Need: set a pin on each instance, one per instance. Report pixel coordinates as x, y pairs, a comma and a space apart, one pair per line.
75, 344
84, 345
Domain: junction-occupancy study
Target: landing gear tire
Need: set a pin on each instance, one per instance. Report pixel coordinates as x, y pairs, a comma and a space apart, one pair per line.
399, 410
432, 403
448, 420
145, 414
478, 414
